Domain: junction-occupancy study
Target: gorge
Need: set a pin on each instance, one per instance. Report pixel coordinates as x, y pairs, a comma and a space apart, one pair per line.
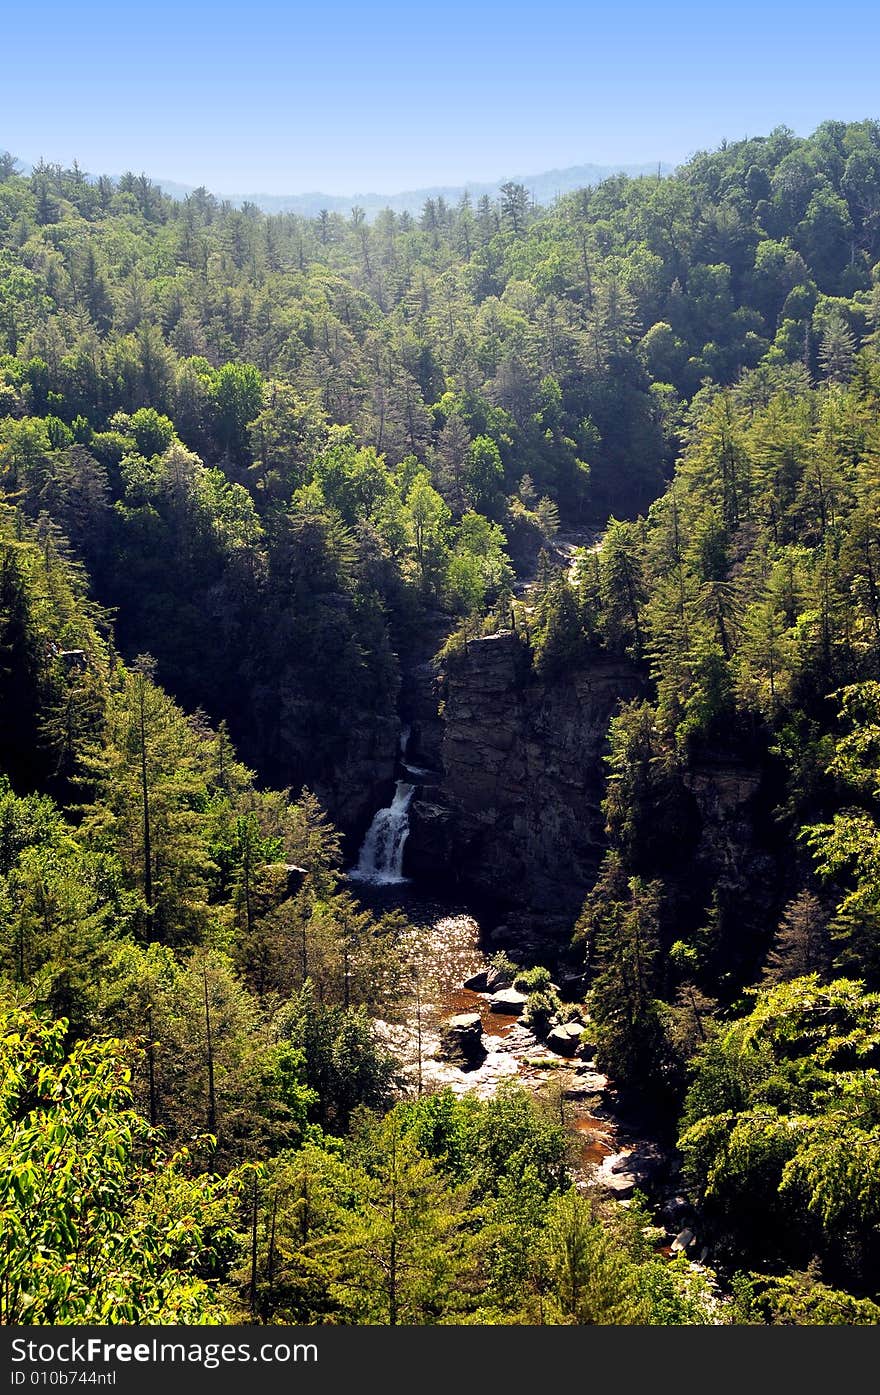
489, 597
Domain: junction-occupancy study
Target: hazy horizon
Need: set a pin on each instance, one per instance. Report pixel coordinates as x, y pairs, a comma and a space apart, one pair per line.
26, 163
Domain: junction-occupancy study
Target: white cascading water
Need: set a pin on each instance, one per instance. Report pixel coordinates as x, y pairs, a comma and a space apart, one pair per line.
381, 857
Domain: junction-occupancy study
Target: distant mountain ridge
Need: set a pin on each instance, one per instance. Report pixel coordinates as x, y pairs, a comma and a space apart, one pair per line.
544, 189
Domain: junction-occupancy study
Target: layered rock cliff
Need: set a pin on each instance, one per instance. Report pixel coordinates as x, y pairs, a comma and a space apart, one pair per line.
517, 815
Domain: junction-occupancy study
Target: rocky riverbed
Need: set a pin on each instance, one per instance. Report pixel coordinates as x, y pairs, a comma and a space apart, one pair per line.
465, 1034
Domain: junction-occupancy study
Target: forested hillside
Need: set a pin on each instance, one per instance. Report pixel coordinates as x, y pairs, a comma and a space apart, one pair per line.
468, 350
252, 468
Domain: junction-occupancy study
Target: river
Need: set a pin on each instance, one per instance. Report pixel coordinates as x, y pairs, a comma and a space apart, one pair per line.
450, 946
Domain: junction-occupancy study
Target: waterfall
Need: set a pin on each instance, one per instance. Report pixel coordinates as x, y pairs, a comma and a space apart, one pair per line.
381, 857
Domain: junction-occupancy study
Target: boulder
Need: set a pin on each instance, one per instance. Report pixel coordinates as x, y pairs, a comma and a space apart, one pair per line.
587, 1084
676, 1208
509, 1001
565, 1039
499, 934
295, 877
519, 1041
497, 979
461, 1038
478, 983
621, 1173
619, 1183
683, 1241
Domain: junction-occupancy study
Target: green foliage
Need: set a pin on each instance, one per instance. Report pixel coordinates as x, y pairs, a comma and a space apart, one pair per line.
152, 432
502, 963
532, 980
558, 637
595, 1273
848, 848
621, 922
214, 1059
417, 1220
780, 1124
343, 1062
53, 675
99, 1225
275, 447
303, 511
542, 1011
799, 1300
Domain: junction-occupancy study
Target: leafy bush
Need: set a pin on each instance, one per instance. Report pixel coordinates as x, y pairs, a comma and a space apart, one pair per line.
543, 1011
504, 965
99, 1225
535, 980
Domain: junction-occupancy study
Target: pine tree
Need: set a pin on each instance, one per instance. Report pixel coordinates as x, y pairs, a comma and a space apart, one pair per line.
801, 944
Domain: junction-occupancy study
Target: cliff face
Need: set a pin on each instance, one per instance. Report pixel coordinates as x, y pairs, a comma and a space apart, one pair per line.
517, 815
351, 772
364, 775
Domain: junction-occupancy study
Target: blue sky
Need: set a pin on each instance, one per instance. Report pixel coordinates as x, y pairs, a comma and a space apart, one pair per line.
282, 96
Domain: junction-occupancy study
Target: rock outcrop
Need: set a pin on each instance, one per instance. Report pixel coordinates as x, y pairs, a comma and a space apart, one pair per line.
517, 815
461, 1039
509, 1001
566, 1038
420, 693
362, 776
637, 1165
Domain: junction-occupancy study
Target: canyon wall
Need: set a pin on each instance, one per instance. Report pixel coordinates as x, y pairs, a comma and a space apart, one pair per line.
517, 813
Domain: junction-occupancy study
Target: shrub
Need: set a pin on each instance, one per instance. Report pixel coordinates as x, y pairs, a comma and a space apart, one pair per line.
504, 965
536, 980
543, 1011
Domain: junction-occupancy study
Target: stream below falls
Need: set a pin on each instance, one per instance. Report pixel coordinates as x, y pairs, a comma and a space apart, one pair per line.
606, 1149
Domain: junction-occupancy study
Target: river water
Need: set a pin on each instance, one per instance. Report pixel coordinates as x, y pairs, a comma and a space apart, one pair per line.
449, 946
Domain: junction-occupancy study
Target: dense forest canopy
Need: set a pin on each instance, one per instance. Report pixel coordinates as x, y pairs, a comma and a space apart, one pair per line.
247, 461
226, 412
